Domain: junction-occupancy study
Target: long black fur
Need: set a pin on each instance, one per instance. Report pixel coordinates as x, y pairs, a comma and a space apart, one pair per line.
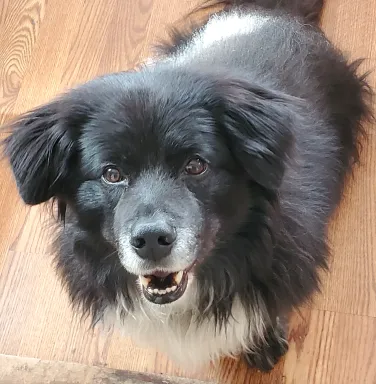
280, 127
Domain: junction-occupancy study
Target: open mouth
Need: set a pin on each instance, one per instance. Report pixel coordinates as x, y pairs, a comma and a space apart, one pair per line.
163, 288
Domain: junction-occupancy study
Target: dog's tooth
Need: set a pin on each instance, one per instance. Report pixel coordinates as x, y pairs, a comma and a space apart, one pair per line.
168, 290
156, 291
178, 277
173, 288
162, 292
144, 281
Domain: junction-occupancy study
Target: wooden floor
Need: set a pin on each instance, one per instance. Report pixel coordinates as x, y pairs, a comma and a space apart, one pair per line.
47, 46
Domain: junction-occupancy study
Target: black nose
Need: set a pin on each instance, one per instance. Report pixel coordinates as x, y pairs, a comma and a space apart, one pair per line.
152, 240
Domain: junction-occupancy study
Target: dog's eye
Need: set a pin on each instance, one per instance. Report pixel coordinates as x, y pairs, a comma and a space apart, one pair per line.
196, 167
112, 175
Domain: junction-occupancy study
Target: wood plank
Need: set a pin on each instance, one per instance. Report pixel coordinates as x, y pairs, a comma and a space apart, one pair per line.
130, 28
35, 315
78, 41
328, 347
163, 18
16, 370
350, 285
13, 212
20, 22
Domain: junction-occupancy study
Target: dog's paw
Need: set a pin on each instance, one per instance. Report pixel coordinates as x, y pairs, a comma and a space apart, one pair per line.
267, 354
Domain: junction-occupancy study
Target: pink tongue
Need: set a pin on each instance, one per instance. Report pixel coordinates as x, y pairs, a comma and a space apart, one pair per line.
160, 274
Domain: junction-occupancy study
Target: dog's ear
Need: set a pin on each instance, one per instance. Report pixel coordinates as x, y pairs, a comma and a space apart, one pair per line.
40, 149
258, 124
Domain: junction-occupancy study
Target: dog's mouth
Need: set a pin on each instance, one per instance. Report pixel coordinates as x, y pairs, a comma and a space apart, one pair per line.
163, 288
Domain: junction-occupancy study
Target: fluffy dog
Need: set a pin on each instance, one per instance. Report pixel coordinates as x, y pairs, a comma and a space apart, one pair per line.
194, 194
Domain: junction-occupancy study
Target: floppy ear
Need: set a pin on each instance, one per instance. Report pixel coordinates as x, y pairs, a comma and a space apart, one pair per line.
259, 126
40, 148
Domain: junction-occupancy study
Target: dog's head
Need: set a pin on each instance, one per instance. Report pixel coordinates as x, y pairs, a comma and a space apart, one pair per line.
163, 166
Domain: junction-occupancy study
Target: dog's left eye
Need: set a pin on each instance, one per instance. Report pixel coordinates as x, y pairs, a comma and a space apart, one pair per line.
112, 175
196, 166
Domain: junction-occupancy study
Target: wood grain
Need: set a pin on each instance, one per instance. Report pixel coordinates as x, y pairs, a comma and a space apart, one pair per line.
328, 347
46, 47
351, 285
20, 22
13, 212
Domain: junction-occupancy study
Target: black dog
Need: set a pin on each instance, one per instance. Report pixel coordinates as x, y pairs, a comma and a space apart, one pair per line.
194, 194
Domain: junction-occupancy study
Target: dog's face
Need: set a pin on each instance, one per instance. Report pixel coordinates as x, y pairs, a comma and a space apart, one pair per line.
162, 183
164, 167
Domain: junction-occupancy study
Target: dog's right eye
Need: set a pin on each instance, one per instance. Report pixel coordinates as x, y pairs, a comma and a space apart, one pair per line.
112, 175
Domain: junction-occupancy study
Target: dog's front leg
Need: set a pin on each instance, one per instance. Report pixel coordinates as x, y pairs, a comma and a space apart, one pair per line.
268, 352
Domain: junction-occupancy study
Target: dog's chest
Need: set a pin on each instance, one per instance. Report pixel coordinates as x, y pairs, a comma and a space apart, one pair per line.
184, 340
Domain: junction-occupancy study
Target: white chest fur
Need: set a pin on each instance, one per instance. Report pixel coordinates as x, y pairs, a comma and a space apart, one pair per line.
182, 339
